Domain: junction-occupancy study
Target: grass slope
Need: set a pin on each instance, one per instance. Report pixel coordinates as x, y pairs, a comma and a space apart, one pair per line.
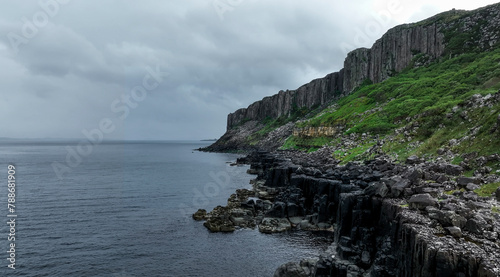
429, 101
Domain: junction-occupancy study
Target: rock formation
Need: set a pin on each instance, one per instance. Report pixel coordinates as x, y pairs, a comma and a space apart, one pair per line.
418, 219
402, 46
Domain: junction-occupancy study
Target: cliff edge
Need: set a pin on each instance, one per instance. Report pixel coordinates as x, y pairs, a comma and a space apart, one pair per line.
407, 46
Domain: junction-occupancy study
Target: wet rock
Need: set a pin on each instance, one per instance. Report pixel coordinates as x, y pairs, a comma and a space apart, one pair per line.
278, 210
303, 269
274, 225
293, 210
421, 201
219, 224
324, 226
199, 215
291, 270
295, 220
306, 225
497, 194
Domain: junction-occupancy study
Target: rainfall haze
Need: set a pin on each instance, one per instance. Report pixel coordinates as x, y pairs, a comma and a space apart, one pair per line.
170, 70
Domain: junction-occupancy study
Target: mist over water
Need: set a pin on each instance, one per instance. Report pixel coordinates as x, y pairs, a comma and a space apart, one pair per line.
125, 211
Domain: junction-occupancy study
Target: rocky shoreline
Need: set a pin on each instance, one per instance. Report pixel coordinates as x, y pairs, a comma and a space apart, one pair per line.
420, 218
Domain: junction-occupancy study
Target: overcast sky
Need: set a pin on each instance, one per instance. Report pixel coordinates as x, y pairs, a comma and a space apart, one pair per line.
173, 69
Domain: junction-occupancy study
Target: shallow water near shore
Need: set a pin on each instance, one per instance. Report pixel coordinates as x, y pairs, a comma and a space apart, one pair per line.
124, 210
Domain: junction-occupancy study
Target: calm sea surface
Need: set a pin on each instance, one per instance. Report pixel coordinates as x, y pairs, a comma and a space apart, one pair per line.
124, 210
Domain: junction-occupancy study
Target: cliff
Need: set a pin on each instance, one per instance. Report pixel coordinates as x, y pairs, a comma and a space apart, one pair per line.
317, 92
392, 53
406, 46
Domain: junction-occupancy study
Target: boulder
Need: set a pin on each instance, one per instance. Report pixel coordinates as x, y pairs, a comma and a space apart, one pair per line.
399, 187
219, 224
278, 210
293, 269
377, 189
421, 201
476, 225
454, 231
218, 220
293, 210
306, 225
413, 160
452, 169
414, 175
274, 225
471, 187
199, 215
463, 181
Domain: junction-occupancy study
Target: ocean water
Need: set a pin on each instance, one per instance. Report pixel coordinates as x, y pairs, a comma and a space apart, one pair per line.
124, 210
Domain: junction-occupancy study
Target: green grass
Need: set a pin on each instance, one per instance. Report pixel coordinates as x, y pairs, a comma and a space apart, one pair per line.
495, 209
457, 160
429, 92
487, 190
450, 192
356, 153
425, 97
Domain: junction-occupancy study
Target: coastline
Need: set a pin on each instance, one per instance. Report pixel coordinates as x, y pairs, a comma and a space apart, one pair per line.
382, 216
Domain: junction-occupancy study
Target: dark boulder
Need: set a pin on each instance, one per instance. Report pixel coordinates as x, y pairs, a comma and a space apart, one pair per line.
463, 181
476, 225
278, 210
421, 201
413, 160
452, 169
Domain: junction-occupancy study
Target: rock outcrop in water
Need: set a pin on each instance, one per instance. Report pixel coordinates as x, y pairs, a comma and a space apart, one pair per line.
417, 219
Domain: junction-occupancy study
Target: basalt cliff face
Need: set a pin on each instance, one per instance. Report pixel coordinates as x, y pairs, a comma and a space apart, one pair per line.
404, 46
392, 53
317, 92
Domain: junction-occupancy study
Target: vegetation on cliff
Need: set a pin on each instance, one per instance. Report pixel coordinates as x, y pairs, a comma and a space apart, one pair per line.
433, 102
447, 106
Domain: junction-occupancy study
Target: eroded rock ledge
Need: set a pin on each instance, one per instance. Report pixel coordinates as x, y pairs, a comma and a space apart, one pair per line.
417, 219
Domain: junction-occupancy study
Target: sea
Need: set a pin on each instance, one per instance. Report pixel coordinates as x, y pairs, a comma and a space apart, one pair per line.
123, 208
